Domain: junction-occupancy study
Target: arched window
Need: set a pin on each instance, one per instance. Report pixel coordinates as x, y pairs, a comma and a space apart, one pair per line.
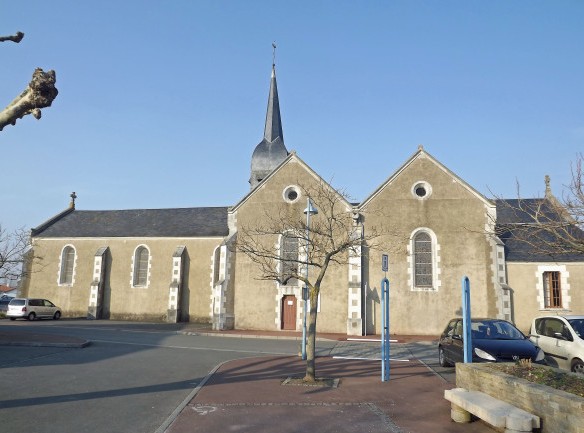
67, 265
141, 259
288, 259
423, 261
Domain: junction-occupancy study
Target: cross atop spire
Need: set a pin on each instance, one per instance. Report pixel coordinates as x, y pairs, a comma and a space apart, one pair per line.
73, 197
274, 55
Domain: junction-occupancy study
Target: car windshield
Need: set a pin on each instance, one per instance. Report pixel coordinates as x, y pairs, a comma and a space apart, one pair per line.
495, 330
578, 325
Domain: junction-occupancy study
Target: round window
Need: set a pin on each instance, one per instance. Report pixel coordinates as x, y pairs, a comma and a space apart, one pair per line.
291, 194
421, 190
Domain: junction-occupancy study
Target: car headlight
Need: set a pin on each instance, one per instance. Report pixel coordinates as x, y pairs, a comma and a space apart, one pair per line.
484, 355
540, 355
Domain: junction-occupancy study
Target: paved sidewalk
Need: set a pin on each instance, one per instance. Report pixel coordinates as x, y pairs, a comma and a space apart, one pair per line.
248, 395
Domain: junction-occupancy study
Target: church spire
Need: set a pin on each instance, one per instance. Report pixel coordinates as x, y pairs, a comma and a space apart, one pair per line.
271, 151
273, 127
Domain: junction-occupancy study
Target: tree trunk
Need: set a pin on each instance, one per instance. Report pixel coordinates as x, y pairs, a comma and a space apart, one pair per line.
311, 339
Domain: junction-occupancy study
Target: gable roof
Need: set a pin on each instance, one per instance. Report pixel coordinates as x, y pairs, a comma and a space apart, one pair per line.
421, 153
525, 239
292, 156
181, 222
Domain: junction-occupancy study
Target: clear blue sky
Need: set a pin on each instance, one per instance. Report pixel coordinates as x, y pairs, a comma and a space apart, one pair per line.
161, 103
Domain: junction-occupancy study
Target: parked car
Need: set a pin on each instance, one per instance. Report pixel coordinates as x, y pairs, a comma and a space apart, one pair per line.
4, 301
562, 340
32, 308
493, 340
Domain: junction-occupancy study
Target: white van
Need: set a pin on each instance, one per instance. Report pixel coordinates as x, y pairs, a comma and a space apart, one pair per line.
562, 340
32, 308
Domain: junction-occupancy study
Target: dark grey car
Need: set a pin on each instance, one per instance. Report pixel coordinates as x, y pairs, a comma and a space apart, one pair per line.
493, 340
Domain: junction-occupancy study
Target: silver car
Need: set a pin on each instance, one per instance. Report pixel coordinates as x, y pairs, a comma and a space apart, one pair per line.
32, 308
562, 340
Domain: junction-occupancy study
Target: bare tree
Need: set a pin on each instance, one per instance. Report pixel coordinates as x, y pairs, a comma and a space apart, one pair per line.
15, 251
334, 234
39, 93
547, 226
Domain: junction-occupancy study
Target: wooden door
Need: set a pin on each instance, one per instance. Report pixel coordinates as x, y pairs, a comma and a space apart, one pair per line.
289, 312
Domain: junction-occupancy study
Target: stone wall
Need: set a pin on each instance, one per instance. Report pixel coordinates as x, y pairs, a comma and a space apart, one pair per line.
559, 411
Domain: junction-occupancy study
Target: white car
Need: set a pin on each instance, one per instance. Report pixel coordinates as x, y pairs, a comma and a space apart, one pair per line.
562, 340
32, 308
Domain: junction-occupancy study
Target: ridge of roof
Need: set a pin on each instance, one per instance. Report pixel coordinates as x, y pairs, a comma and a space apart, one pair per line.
169, 222
420, 153
291, 156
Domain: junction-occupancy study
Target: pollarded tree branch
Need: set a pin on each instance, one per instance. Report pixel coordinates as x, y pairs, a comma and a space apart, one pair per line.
14, 38
40, 93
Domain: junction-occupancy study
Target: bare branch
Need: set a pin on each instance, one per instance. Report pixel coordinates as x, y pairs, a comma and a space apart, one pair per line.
14, 251
40, 93
546, 226
14, 38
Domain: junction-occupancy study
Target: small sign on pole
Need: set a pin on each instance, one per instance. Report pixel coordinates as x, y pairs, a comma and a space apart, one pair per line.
384, 262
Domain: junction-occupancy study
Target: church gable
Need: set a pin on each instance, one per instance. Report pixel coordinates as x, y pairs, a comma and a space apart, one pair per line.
284, 188
422, 177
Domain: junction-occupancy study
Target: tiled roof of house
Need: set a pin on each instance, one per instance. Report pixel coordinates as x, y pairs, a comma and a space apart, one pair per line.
181, 222
527, 241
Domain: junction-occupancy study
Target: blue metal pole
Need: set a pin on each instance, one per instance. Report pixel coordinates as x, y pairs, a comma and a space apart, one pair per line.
385, 331
305, 292
466, 321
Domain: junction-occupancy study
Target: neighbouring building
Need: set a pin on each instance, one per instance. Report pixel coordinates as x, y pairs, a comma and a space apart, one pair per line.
177, 265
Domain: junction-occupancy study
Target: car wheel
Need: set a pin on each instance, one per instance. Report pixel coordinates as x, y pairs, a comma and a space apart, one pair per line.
31, 316
442, 358
578, 366
13, 318
57, 315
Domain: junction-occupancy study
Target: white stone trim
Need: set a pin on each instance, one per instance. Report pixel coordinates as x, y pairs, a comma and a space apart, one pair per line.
94, 289
354, 298
285, 291
564, 278
133, 267
60, 268
499, 276
176, 281
289, 189
436, 270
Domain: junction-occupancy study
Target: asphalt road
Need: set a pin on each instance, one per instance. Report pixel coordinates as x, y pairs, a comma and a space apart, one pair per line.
129, 379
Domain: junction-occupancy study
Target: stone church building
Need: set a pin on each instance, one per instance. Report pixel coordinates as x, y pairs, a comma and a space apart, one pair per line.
177, 265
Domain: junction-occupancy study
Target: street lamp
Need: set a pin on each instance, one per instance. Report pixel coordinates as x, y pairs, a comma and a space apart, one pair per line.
310, 210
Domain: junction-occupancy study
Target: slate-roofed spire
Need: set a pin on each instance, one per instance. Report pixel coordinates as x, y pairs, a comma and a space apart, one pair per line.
273, 127
271, 151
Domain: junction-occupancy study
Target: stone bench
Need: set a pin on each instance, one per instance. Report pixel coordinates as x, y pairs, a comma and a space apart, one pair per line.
495, 412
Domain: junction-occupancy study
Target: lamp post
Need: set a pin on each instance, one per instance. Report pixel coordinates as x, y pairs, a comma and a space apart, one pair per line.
310, 210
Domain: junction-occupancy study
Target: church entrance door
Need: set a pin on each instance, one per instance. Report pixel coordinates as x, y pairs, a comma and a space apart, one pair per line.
289, 312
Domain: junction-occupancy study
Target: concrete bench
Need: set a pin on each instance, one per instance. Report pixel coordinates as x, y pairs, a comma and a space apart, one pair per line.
495, 412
